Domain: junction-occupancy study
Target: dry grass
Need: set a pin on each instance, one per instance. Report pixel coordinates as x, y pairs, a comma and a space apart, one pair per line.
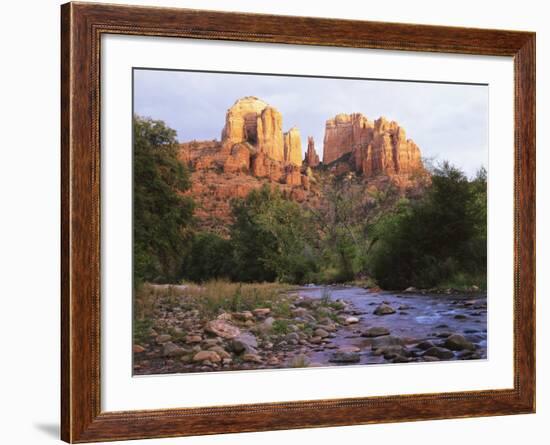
210, 298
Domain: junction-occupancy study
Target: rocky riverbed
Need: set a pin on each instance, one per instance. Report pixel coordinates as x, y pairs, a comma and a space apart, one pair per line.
316, 326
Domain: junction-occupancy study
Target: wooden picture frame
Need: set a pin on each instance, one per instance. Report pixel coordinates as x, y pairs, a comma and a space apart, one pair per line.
82, 26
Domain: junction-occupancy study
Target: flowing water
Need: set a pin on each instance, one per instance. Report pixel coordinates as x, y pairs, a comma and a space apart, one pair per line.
418, 317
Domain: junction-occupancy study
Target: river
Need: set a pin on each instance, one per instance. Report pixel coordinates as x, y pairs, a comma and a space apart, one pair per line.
418, 317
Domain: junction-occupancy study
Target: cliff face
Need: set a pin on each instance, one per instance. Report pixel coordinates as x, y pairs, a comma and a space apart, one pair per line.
254, 151
376, 147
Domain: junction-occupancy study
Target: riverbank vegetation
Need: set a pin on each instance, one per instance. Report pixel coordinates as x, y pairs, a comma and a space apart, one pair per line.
434, 238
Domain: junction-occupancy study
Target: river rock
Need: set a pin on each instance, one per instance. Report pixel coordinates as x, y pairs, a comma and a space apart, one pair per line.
170, 349
209, 356
220, 351
209, 342
351, 320
299, 312
375, 331
243, 316
252, 358
384, 309
344, 357
320, 333
261, 312
390, 352
349, 348
163, 338
425, 345
244, 342
190, 339
468, 355
458, 343
267, 324
222, 328
292, 337
137, 349
440, 353
386, 340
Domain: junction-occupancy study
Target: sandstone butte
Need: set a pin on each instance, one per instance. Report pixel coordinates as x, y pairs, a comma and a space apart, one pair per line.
374, 148
254, 150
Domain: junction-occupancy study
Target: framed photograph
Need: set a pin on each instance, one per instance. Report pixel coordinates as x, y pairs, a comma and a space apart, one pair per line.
275, 222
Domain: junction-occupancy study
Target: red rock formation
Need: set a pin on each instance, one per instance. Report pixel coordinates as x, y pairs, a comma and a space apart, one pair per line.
312, 158
263, 166
241, 122
238, 161
269, 128
293, 147
251, 120
293, 175
375, 148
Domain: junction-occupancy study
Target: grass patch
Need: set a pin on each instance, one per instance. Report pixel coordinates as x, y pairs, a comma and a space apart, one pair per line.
280, 327
141, 329
214, 297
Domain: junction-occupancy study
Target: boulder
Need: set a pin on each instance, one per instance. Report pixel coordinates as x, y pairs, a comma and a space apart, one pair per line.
386, 340
163, 338
261, 312
384, 309
351, 320
375, 331
220, 351
424, 345
170, 349
191, 339
349, 348
390, 352
320, 333
223, 329
210, 356
457, 342
244, 342
252, 358
440, 353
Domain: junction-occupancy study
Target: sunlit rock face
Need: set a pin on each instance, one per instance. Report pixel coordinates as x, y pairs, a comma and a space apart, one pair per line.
293, 147
377, 147
251, 120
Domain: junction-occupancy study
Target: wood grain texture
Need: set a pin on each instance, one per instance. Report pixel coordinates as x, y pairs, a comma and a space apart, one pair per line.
82, 27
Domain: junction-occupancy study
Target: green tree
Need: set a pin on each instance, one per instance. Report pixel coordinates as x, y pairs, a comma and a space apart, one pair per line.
436, 238
162, 215
270, 236
211, 256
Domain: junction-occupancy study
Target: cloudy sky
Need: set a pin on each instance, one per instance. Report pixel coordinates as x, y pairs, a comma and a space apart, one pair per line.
447, 121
